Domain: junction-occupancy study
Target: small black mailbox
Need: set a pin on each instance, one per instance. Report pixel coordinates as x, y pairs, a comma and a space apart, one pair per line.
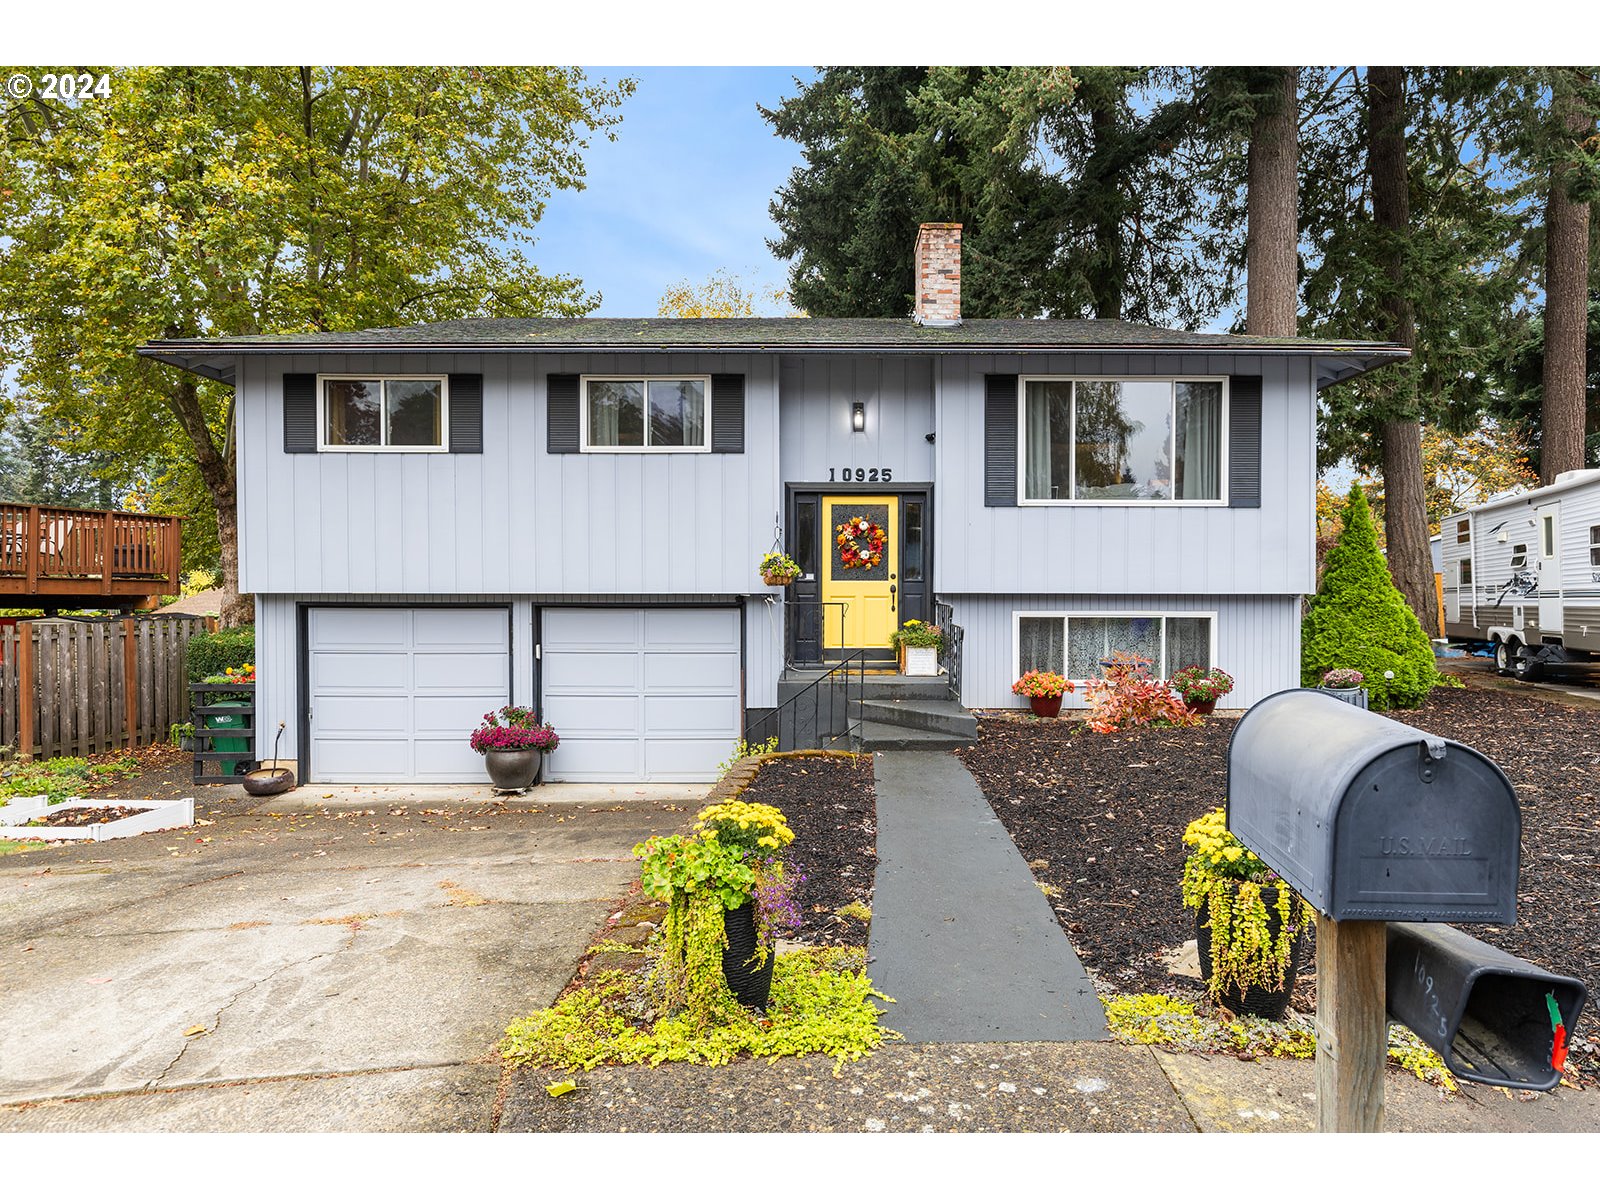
1372, 820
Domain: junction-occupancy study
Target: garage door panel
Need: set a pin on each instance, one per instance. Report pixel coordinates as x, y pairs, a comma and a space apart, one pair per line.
446, 760
594, 716
455, 671
339, 761
683, 760
690, 672
460, 627
377, 671
458, 715
666, 715
591, 671
597, 760
363, 715
589, 627
691, 627
342, 627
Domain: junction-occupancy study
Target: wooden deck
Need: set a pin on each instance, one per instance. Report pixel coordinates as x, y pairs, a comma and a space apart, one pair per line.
85, 558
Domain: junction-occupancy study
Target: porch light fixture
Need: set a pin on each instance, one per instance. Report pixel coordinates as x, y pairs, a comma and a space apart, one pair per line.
858, 416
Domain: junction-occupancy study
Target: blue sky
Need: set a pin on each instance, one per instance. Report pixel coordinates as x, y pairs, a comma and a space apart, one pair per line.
682, 192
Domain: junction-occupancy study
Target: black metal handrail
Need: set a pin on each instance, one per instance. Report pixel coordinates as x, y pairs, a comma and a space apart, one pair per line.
798, 610
830, 707
954, 635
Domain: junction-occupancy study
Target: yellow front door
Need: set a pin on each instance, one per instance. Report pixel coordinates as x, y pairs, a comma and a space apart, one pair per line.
861, 571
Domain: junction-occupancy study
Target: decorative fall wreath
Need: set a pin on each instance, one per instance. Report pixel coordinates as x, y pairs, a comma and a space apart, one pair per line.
860, 543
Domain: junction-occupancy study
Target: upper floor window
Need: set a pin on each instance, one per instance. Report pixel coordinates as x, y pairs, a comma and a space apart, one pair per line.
1463, 532
387, 412
1123, 441
645, 413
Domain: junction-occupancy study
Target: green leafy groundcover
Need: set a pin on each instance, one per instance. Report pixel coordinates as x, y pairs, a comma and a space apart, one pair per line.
60, 778
821, 1003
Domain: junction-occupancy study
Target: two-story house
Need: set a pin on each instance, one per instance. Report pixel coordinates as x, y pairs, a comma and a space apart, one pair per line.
569, 514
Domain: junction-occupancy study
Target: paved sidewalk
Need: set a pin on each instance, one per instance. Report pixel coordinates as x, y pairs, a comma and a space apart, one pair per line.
962, 938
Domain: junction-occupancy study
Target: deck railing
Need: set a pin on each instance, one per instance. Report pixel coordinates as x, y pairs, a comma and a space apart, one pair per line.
49, 551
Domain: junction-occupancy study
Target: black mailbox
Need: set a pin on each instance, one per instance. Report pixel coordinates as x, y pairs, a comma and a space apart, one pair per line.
1492, 1017
1372, 820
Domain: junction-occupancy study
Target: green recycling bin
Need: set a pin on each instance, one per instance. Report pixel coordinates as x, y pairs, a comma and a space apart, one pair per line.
217, 721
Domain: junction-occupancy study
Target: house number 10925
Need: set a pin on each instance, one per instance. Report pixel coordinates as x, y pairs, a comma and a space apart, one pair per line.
860, 475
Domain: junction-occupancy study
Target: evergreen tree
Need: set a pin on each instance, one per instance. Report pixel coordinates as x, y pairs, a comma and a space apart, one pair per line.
1359, 620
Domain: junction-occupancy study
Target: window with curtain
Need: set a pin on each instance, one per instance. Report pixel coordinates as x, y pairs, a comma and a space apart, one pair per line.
646, 413
382, 413
1122, 441
1075, 646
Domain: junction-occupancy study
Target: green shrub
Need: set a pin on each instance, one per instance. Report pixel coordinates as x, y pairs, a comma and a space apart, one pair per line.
213, 653
1359, 619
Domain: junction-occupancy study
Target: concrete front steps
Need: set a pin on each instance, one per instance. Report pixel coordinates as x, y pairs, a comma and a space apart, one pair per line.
915, 723
895, 712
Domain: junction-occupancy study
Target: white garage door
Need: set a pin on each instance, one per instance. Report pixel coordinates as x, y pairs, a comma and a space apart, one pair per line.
396, 692
640, 693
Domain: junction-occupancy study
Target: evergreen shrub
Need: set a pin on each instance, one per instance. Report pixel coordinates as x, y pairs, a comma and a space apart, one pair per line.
1359, 620
214, 653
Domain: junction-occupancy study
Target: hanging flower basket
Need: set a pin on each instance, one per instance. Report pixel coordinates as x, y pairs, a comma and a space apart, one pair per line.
778, 570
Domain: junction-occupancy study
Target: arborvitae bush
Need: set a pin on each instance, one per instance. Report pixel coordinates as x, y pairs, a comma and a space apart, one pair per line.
1359, 619
212, 653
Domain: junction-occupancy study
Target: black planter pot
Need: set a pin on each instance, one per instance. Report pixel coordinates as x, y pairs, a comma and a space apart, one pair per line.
751, 984
513, 770
1255, 1001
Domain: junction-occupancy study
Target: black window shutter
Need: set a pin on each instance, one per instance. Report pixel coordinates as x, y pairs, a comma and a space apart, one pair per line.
466, 414
727, 414
561, 413
1244, 441
299, 414
1000, 441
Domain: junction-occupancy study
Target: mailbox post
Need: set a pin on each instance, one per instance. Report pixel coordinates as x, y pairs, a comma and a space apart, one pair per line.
1372, 821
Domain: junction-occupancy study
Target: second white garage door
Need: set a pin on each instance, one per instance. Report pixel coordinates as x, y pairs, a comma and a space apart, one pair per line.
640, 693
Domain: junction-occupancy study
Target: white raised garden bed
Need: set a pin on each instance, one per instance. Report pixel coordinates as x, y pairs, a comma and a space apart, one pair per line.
19, 810
153, 815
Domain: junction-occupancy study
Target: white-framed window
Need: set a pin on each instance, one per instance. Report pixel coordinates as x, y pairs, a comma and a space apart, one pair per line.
1075, 644
378, 413
1519, 557
1123, 440
1547, 536
644, 414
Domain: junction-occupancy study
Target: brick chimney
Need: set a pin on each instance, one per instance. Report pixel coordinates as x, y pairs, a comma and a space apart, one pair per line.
938, 267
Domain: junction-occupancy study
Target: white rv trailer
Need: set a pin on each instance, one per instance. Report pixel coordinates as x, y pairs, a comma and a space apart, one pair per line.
1522, 573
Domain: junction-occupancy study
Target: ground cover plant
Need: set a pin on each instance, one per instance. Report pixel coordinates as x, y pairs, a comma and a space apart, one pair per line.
665, 999
1101, 819
62, 778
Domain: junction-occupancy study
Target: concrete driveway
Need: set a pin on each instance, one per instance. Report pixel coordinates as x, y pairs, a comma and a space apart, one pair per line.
346, 963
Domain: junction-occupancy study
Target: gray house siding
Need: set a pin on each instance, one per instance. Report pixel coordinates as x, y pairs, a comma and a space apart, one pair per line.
815, 397
278, 663
1257, 639
1131, 549
514, 519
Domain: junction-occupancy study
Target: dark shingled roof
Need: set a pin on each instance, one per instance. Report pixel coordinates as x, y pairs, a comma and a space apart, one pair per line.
739, 335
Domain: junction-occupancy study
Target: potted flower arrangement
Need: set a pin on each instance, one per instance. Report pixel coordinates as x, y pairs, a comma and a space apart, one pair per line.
1343, 683
513, 744
1201, 688
919, 645
1250, 926
730, 895
1044, 690
778, 569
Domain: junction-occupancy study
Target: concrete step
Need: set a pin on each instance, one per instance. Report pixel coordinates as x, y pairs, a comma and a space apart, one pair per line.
873, 687
876, 735
939, 716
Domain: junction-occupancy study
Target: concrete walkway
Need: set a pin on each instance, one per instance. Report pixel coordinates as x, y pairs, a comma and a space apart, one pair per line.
962, 938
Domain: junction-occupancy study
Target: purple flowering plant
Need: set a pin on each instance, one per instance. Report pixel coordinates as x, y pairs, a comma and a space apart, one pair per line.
777, 904
514, 728
1342, 677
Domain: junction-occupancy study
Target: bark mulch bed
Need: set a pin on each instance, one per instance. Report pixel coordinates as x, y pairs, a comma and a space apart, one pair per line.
1101, 817
830, 806
74, 817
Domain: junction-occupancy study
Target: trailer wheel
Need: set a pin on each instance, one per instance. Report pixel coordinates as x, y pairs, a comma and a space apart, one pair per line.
1524, 667
1502, 658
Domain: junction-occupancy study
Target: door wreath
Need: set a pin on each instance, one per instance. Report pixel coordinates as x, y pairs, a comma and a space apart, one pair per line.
860, 543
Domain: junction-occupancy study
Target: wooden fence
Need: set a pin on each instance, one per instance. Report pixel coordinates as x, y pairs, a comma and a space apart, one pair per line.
88, 686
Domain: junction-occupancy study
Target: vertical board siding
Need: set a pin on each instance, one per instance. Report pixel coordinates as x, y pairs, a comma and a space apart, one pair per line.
1257, 639
77, 694
816, 394
515, 518
1121, 550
